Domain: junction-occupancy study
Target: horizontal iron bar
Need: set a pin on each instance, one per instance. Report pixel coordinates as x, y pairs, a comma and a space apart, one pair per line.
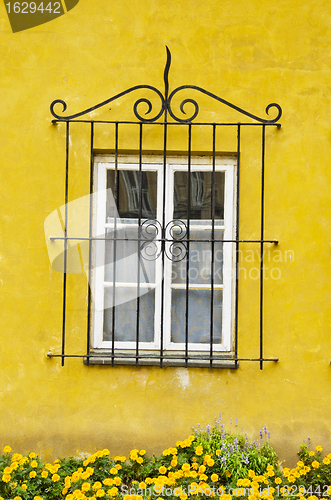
147, 356
53, 238
226, 124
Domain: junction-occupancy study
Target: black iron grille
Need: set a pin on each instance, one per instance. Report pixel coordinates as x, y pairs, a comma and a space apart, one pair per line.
139, 222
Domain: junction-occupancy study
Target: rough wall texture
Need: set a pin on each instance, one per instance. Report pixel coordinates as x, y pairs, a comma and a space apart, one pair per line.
250, 53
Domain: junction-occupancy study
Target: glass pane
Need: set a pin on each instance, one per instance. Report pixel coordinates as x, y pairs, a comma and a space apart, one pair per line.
126, 315
126, 185
201, 195
126, 248
200, 260
199, 311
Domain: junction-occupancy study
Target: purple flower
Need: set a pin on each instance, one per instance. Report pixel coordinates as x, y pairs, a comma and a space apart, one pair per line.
261, 435
265, 428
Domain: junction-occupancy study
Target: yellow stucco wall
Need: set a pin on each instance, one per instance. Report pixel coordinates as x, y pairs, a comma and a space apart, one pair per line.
250, 53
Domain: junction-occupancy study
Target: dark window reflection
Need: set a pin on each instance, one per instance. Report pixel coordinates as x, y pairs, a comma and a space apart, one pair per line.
201, 195
125, 187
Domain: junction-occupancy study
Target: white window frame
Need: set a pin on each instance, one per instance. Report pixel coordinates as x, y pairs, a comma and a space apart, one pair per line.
226, 165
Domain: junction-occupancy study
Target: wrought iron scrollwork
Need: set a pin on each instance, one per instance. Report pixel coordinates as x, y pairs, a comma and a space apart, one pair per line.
166, 103
151, 234
176, 240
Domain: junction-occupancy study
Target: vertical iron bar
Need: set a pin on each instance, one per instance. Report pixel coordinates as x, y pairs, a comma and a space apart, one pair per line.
139, 236
237, 249
116, 200
261, 248
188, 239
163, 243
212, 248
90, 251
65, 246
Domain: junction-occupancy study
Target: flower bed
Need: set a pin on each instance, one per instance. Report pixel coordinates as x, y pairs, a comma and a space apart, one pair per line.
209, 463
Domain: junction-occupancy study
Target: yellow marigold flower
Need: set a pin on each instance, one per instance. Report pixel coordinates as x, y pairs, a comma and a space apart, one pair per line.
108, 481
8, 470
291, 479
113, 470
142, 485
203, 477
75, 477
214, 478
113, 491
142, 452
315, 464
37, 498
97, 485
55, 478
64, 491
7, 449
278, 480
32, 455
326, 461
319, 448
199, 450
311, 453
251, 473
19, 498
173, 463
148, 480
117, 480
33, 474
210, 462
85, 486
44, 474
202, 469
24, 487
139, 460
162, 469
100, 493
186, 467
34, 463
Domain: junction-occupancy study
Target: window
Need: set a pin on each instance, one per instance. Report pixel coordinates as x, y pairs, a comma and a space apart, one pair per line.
163, 256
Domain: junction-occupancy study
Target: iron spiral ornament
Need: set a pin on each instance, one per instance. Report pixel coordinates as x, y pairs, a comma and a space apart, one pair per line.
165, 107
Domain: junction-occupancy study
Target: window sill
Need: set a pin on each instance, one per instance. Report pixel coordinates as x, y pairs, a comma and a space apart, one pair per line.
193, 362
